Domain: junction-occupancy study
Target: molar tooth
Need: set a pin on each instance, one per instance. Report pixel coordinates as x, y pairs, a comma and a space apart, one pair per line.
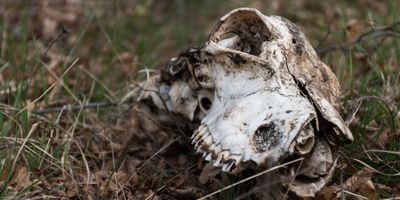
202, 133
208, 140
225, 167
194, 141
217, 162
200, 137
205, 136
212, 147
208, 157
198, 150
197, 136
218, 149
221, 158
198, 143
232, 162
197, 131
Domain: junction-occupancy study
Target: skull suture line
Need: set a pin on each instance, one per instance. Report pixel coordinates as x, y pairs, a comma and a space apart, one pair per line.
274, 99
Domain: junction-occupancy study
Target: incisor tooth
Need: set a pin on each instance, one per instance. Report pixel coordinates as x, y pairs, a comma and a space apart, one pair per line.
202, 126
203, 132
198, 143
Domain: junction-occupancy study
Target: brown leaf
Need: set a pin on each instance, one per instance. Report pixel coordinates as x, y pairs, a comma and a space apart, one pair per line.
209, 171
187, 192
382, 139
368, 190
21, 178
357, 180
181, 180
72, 188
383, 187
327, 193
151, 195
119, 178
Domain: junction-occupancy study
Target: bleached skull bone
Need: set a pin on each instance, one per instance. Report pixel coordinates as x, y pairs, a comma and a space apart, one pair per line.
273, 98
262, 110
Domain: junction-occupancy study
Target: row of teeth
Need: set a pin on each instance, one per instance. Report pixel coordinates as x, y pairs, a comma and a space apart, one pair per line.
203, 143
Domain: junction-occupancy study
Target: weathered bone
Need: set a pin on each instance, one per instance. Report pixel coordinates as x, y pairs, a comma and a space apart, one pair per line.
262, 95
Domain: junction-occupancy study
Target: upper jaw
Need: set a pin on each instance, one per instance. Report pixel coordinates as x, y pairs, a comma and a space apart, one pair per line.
261, 127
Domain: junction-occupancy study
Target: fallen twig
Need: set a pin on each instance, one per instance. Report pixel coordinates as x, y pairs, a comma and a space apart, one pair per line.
73, 107
249, 178
375, 33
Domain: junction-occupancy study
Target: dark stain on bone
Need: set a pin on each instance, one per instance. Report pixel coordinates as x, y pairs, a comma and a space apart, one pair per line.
297, 41
237, 59
267, 71
227, 113
292, 127
324, 75
202, 78
250, 29
267, 137
288, 111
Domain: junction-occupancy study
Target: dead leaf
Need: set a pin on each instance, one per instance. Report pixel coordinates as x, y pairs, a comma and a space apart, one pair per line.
357, 180
382, 139
355, 27
368, 190
72, 189
21, 178
181, 180
208, 172
327, 193
151, 195
187, 192
383, 187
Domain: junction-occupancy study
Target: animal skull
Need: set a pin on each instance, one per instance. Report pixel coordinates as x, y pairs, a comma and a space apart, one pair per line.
263, 97
269, 87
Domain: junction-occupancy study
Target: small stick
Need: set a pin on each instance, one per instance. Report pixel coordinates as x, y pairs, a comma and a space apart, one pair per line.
376, 33
249, 178
63, 32
73, 107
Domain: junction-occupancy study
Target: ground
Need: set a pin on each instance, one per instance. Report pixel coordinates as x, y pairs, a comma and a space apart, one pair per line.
74, 52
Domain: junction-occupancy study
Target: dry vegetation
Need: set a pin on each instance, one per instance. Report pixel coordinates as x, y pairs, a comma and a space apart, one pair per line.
86, 54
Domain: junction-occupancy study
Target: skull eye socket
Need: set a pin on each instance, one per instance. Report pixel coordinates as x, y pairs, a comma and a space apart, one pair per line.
267, 137
206, 103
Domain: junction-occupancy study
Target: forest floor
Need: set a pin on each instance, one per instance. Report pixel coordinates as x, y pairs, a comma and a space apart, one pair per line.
87, 53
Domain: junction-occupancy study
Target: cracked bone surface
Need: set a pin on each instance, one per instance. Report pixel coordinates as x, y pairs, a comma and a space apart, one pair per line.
261, 96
